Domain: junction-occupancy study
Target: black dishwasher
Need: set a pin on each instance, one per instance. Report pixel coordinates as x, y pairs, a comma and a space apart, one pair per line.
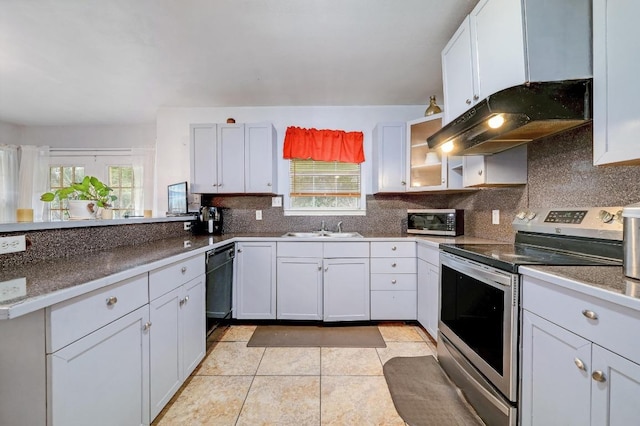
219, 264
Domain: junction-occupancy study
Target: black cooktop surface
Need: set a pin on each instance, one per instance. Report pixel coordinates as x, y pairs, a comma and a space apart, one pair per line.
509, 257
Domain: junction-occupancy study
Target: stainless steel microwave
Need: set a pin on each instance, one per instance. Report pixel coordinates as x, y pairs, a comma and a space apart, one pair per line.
449, 222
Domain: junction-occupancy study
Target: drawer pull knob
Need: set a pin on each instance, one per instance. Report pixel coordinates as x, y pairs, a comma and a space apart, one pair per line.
147, 326
598, 376
112, 300
579, 364
393, 281
394, 248
393, 265
590, 314
319, 268
184, 269
239, 250
183, 301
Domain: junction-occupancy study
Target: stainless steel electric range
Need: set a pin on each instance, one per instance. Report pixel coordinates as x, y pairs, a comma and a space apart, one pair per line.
480, 297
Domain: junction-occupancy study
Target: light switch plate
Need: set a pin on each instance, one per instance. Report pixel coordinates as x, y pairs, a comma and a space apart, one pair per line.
276, 201
495, 217
258, 214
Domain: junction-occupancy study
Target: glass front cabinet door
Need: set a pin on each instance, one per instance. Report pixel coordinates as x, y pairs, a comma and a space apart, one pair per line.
430, 170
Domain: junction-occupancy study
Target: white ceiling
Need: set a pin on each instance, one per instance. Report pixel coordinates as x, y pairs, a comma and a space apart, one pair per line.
118, 61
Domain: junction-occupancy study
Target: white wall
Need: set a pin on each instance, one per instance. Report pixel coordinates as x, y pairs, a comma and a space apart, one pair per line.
9, 133
172, 149
97, 136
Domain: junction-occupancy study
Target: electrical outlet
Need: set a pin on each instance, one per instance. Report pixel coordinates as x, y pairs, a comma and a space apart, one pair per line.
186, 226
13, 244
258, 214
495, 217
276, 201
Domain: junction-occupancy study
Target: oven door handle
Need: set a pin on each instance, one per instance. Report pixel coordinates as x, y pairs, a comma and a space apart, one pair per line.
493, 278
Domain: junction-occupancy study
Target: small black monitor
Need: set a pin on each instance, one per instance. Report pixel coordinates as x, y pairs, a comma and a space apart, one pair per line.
178, 199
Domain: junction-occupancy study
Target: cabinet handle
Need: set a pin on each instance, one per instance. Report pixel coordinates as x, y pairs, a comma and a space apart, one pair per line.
319, 268
403, 183
590, 314
479, 172
468, 101
393, 248
147, 326
239, 250
112, 300
219, 184
393, 281
444, 181
476, 97
579, 364
598, 376
184, 269
183, 301
393, 265
326, 269
269, 184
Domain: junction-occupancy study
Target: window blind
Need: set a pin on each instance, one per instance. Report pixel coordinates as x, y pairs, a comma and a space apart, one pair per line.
311, 178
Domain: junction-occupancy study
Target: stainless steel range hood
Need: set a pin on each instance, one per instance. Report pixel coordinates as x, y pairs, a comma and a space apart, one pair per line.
527, 112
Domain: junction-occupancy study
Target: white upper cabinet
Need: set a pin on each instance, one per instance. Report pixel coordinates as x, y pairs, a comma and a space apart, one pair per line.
503, 43
389, 157
260, 158
233, 158
505, 168
457, 72
230, 144
616, 123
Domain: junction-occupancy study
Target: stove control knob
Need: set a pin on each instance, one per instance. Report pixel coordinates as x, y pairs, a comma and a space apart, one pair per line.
605, 216
521, 214
531, 215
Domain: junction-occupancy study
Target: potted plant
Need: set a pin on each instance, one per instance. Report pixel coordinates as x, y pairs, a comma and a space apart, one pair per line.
84, 199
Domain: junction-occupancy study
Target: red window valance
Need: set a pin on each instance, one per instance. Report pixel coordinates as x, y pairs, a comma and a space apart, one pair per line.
323, 145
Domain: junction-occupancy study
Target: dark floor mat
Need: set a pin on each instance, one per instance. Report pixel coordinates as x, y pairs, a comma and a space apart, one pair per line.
424, 396
317, 336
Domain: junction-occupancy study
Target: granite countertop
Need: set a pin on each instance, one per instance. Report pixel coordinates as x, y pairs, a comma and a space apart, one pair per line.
604, 282
33, 286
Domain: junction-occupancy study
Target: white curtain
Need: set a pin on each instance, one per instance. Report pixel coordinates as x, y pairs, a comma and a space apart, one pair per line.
142, 162
8, 183
33, 178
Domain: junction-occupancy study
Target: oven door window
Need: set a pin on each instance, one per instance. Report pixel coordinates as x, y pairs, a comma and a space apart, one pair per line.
474, 311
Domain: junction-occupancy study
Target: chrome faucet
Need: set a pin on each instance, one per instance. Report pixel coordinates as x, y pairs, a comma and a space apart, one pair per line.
323, 227
340, 227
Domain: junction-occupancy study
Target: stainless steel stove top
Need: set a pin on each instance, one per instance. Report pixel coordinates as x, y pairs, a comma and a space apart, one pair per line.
563, 237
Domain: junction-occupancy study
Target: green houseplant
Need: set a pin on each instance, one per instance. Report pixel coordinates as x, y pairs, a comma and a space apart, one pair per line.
91, 189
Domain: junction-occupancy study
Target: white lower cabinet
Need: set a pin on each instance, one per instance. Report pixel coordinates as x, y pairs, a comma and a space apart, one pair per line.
323, 281
102, 378
568, 377
254, 284
393, 281
429, 297
177, 336
346, 289
299, 292
113, 358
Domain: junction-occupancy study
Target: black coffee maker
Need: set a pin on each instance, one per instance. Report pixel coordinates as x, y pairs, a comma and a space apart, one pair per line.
209, 221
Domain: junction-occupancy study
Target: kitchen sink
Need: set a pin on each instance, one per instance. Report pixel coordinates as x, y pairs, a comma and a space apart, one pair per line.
322, 234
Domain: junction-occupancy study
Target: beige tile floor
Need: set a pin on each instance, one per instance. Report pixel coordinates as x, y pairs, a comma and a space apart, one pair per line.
237, 385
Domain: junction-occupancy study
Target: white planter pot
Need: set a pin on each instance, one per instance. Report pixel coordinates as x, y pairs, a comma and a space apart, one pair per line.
82, 209
105, 213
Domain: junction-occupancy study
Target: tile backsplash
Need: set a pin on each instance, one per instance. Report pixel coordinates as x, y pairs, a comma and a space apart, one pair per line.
560, 174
